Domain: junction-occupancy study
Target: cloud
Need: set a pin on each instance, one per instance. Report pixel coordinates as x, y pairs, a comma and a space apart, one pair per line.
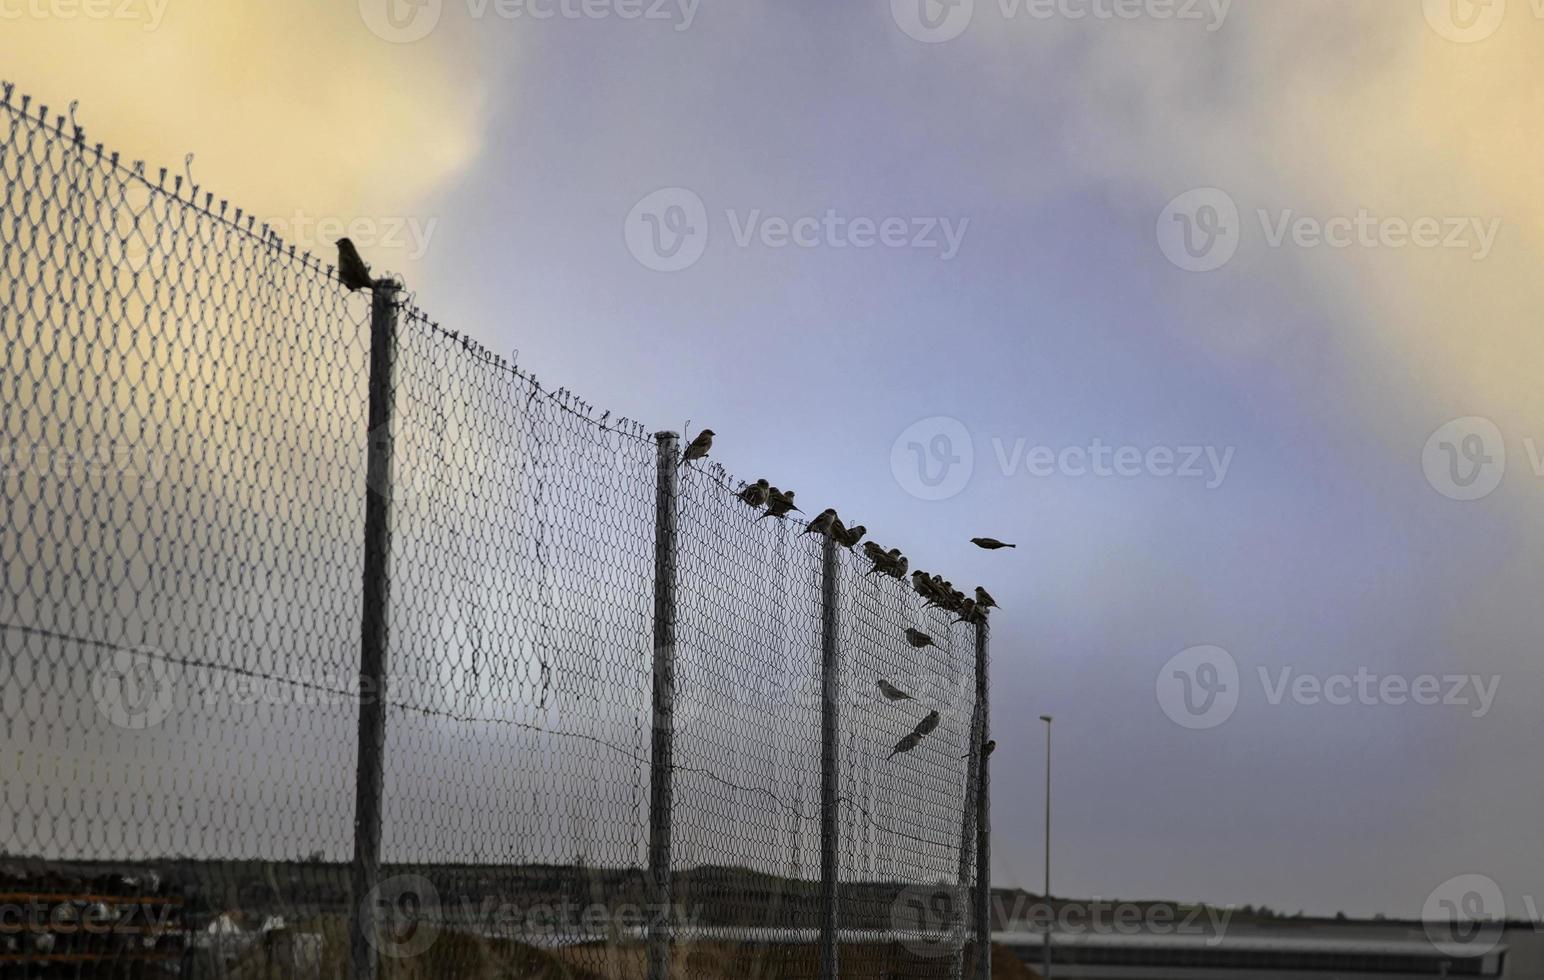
294, 109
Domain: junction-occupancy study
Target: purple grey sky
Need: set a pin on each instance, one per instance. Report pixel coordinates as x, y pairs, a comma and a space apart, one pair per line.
1330, 546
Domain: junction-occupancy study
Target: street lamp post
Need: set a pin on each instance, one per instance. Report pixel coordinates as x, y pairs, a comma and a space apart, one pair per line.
1050, 912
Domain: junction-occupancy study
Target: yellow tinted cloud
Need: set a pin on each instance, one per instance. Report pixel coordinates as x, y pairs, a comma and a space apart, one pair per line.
293, 108
1433, 128
1325, 108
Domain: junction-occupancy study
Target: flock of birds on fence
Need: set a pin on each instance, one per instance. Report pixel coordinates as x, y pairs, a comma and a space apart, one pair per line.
936, 591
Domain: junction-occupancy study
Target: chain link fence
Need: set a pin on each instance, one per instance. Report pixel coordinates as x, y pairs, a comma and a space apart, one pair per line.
334, 645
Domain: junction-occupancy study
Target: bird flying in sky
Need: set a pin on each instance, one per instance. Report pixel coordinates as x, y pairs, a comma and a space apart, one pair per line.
699, 446
990, 544
352, 271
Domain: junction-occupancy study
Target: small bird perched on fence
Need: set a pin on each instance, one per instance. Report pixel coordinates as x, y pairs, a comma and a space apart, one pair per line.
986, 750
893, 693
822, 523
990, 544
972, 612
779, 503
927, 724
984, 599
933, 588
906, 744
918, 639
891, 562
352, 271
698, 448
848, 537
755, 494
922, 583
883, 560
914, 739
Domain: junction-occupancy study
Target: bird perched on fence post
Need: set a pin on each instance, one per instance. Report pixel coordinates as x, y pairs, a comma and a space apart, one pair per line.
822, 522
990, 544
984, 599
986, 749
698, 447
352, 271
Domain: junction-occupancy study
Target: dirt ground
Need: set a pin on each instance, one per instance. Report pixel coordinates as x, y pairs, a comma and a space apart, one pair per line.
731, 961
284, 955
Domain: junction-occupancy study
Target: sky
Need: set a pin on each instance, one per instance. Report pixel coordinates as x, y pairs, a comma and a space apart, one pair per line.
1225, 314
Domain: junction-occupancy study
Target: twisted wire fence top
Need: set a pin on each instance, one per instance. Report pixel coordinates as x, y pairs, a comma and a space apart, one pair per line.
184, 439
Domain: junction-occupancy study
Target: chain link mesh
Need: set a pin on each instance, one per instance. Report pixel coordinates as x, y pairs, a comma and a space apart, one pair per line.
185, 438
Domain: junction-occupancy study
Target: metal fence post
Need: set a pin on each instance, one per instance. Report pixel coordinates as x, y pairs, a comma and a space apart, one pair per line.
370, 778
965, 892
661, 769
830, 694
983, 903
